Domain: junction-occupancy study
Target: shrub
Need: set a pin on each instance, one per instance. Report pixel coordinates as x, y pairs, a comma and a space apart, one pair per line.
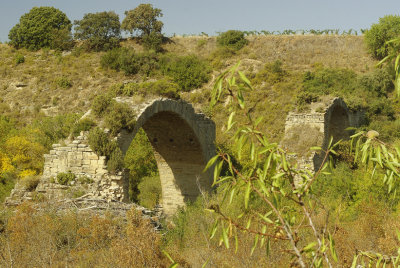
272, 73
375, 38
149, 191
100, 142
141, 163
116, 161
306, 98
153, 41
82, 125
119, 116
99, 31
188, 72
19, 59
163, 87
30, 182
63, 82
100, 104
42, 27
379, 82
124, 59
233, 39
65, 178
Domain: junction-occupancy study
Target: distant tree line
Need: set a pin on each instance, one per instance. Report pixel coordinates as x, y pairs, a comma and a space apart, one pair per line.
48, 27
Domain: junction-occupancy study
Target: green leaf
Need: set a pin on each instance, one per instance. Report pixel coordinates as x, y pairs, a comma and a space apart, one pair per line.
230, 121
316, 148
245, 80
354, 263
309, 247
254, 244
205, 264
211, 162
214, 229
332, 248
247, 195
265, 217
258, 120
217, 170
225, 237
232, 194
169, 257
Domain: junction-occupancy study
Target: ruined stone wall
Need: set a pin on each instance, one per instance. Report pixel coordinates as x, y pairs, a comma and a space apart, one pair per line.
91, 176
332, 122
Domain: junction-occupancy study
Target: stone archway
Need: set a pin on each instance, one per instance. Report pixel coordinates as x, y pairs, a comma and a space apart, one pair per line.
337, 120
317, 128
183, 142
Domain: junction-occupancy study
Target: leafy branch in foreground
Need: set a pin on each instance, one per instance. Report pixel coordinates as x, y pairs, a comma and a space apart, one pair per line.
269, 177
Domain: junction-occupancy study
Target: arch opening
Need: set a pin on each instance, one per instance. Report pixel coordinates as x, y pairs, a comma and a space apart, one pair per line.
179, 155
339, 121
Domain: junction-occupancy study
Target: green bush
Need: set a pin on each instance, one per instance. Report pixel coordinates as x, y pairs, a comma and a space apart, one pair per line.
100, 31
272, 73
379, 82
149, 191
19, 59
163, 87
233, 39
126, 60
42, 27
153, 41
100, 104
188, 72
119, 116
141, 163
51, 130
83, 125
63, 82
7, 183
100, 142
65, 178
368, 92
116, 161
375, 38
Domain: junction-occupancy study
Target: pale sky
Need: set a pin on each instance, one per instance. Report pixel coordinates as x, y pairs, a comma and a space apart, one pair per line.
211, 16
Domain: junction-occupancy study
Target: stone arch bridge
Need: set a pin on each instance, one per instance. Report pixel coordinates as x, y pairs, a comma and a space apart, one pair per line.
183, 142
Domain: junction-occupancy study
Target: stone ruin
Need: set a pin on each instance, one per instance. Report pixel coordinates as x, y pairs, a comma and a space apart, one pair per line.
183, 142
317, 128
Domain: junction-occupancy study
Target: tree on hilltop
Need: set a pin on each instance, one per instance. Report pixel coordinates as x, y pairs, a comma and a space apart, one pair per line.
42, 27
143, 20
100, 31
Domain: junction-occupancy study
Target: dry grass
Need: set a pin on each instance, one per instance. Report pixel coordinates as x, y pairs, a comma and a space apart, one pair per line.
32, 238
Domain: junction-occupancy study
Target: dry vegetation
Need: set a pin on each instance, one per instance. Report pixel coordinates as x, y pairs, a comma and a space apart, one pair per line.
54, 83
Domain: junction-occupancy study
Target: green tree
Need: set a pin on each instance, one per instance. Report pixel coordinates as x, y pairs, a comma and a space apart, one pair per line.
143, 19
42, 27
380, 33
100, 31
